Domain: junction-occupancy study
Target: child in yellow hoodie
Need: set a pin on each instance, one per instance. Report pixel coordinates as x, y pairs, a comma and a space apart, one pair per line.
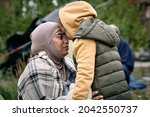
84, 49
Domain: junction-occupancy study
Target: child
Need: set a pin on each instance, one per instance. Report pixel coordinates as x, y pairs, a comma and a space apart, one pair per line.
95, 53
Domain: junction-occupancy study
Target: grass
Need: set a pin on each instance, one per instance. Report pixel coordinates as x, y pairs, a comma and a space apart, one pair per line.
140, 94
8, 84
1, 98
8, 88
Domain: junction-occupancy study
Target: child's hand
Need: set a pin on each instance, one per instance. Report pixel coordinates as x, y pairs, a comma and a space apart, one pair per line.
95, 96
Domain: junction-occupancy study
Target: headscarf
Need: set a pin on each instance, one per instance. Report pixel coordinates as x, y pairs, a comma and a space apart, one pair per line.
41, 38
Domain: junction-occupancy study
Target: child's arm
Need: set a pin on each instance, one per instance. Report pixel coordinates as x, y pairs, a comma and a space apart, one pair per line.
84, 50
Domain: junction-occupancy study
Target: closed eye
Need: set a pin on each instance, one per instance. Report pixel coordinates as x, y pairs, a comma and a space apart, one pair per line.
60, 36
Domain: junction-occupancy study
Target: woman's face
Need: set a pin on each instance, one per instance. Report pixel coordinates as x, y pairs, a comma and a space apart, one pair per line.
60, 41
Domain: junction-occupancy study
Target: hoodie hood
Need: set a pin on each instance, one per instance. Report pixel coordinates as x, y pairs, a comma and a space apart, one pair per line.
72, 14
97, 30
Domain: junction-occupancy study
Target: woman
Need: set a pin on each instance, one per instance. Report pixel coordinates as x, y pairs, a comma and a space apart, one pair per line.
49, 73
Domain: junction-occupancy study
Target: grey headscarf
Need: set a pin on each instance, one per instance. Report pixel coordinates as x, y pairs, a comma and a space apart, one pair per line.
41, 39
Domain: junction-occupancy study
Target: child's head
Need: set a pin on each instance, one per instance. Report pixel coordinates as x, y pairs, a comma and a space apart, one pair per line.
72, 14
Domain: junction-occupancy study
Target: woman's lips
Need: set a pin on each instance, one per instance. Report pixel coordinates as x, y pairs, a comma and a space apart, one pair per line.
66, 47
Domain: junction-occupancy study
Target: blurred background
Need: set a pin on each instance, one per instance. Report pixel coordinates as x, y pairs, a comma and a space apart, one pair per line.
18, 18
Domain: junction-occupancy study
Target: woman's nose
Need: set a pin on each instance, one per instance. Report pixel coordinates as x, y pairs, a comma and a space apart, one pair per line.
66, 40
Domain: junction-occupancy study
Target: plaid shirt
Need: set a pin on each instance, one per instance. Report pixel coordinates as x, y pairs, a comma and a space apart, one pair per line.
41, 79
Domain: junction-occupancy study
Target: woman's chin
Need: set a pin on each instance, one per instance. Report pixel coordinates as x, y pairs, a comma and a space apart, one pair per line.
66, 53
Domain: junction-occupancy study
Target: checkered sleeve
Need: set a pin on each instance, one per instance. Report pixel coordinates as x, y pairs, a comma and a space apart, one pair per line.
39, 81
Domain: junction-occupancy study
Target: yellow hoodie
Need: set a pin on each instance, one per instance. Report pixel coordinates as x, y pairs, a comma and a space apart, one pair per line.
84, 50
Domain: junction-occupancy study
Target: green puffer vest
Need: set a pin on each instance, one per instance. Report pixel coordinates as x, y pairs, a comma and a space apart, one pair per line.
109, 78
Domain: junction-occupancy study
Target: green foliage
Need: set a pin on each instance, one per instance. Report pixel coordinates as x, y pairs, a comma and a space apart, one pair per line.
119, 12
124, 15
8, 88
12, 20
1, 98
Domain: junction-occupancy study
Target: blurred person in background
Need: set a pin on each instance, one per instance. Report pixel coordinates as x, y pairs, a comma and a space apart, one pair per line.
127, 60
